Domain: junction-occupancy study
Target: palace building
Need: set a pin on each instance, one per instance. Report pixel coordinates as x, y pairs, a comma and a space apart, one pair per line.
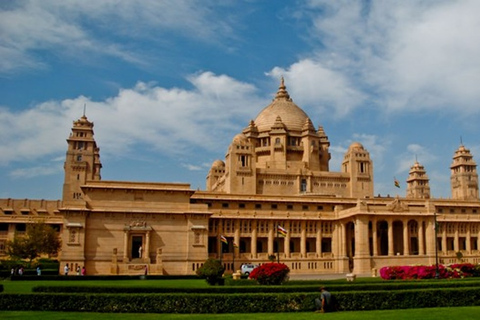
272, 197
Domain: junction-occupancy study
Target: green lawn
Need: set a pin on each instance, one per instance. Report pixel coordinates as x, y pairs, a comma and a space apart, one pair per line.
26, 286
464, 313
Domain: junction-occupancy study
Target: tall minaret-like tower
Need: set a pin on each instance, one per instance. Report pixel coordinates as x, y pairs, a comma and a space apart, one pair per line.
464, 177
418, 183
82, 163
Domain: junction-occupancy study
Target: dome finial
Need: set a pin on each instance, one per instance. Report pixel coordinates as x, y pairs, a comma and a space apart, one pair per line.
282, 92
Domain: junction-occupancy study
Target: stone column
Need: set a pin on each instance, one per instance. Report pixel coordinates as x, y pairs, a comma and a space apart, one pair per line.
286, 244
390, 237
236, 239
271, 237
362, 251
253, 249
303, 239
319, 239
125, 246
405, 239
444, 239
469, 241
374, 237
421, 238
456, 247
430, 235
147, 246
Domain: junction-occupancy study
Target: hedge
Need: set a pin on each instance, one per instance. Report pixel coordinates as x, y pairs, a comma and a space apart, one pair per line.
411, 285
239, 303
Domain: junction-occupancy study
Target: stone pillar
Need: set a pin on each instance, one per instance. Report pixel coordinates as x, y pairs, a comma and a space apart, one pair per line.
319, 239
253, 240
406, 252
219, 243
469, 241
147, 246
444, 239
362, 250
286, 244
125, 246
430, 235
390, 237
303, 239
271, 237
236, 239
456, 247
421, 238
342, 241
374, 237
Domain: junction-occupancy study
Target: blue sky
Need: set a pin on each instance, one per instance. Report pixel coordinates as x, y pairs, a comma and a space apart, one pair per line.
169, 83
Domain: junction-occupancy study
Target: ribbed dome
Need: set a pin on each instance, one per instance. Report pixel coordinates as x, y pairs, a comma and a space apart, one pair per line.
292, 116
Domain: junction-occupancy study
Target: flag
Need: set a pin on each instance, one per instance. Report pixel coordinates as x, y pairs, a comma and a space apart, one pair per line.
397, 184
282, 231
223, 239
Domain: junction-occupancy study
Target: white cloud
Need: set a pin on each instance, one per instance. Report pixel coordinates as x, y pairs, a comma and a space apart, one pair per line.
407, 55
164, 120
77, 29
313, 84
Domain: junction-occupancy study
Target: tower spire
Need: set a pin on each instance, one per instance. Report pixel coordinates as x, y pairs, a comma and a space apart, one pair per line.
282, 93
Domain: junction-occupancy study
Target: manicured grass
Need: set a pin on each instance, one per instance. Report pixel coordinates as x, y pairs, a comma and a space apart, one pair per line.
26, 286
464, 313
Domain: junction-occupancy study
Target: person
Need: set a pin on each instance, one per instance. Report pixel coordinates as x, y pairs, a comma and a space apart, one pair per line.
140, 252
65, 270
146, 269
39, 271
20, 271
12, 272
324, 304
78, 270
84, 271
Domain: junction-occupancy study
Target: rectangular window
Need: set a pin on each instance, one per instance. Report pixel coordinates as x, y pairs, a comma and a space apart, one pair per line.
289, 206
241, 205
258, 206
274, 206
224, 205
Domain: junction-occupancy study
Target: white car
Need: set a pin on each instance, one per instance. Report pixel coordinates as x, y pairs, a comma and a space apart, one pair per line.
247, 268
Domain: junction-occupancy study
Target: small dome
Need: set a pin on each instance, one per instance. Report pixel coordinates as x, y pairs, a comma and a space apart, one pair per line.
293, 117
218, 163
240, 139
356, 146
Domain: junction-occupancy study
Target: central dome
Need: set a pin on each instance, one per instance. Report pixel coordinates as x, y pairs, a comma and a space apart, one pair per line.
293, 117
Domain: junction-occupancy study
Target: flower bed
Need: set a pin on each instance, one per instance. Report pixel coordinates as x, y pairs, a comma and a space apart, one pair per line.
270, 273
458, 270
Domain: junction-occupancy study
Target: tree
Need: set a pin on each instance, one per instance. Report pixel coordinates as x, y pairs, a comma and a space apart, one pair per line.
39, 239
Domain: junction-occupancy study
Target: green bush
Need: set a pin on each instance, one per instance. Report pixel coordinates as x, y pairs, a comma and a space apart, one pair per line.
212, 271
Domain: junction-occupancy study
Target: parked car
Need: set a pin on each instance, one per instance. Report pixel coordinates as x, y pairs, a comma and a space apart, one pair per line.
247, 268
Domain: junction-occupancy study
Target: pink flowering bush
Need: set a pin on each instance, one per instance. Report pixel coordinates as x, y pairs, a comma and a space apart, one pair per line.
459, 270
270, 273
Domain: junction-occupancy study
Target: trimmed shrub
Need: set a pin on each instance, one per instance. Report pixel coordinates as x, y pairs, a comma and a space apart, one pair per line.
212, 270
270, 273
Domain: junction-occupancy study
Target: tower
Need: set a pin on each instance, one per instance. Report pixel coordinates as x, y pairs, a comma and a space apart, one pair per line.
418, 183
359, 167
82, 162
464, 177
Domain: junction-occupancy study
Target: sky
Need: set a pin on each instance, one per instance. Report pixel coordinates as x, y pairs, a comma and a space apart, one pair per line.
168, 84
